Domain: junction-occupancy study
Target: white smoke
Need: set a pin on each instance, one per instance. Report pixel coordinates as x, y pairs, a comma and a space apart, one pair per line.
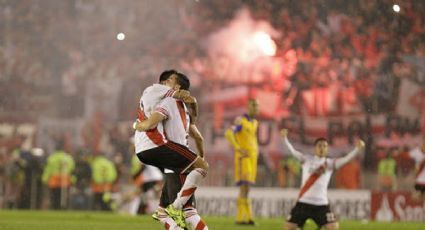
242, 50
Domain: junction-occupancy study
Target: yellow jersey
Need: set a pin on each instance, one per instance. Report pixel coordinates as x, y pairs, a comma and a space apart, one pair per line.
245, 132
245, 136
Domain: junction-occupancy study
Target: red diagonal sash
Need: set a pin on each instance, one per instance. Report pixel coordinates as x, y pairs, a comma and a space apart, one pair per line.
312, 179
140, 114
200, 226
153, 134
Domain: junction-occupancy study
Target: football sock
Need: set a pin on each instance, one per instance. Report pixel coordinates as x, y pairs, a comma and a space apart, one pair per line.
240, 210
248, 208
188, 189
167, 221
193, 220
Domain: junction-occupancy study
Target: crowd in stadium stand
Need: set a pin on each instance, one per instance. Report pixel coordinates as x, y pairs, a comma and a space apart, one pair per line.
355, 45
358, 46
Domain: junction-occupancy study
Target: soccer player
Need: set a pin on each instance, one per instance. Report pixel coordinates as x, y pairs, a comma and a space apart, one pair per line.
316, 173
172, 185
153, 94
154, 148
418, 154
243, 137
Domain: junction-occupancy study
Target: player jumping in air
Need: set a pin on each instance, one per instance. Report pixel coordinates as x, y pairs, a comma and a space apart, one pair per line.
170, 118
173, 183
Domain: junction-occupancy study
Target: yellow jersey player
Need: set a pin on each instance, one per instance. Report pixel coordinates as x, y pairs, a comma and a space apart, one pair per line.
243, 137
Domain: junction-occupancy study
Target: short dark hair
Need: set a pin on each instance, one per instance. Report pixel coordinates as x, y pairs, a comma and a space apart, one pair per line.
167, 74
320, 139
183, 81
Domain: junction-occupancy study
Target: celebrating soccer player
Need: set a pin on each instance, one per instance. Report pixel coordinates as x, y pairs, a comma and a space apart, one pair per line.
172, 185
316, 173
169, 120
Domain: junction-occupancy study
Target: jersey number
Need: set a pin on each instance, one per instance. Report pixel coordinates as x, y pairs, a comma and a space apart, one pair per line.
330, 217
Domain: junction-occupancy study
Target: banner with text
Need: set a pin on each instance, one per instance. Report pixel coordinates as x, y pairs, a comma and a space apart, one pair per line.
275, 202
396, 206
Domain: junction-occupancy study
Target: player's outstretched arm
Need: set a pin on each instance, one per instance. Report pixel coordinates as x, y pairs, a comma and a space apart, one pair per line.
288, 145
199, 139
149, 123
341, 161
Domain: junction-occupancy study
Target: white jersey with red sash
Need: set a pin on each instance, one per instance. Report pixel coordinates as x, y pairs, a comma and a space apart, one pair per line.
316, 174
151, 97
176, 124
419, 158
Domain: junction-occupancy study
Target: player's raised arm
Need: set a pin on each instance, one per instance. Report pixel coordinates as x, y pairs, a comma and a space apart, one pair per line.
149, 123
341, 161
199, 140
287, 144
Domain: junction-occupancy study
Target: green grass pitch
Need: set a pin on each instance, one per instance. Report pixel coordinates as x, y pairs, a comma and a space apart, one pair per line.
44, 220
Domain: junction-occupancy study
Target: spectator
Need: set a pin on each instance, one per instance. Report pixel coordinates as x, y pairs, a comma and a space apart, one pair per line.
57, 175
387, 172
104, 175
293, 169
